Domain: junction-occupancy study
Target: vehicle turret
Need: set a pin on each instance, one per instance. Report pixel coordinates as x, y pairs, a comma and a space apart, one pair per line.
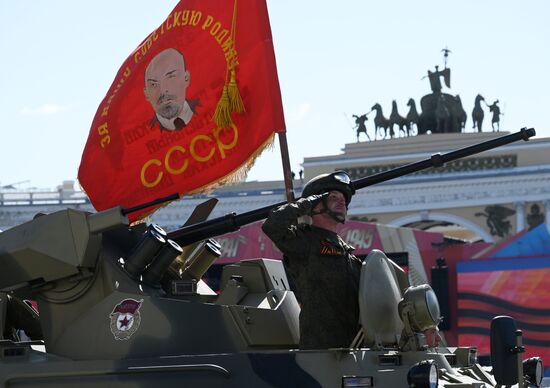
55, 246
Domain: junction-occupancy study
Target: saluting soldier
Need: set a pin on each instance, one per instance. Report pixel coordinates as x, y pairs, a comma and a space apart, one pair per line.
324, 269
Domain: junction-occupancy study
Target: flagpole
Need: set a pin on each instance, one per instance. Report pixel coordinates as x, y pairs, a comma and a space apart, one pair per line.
289, 190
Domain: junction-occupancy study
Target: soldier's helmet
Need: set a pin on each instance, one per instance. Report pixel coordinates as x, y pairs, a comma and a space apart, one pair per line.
338, 180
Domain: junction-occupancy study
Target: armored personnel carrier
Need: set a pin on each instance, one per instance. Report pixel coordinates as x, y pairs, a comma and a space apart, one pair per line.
124, 305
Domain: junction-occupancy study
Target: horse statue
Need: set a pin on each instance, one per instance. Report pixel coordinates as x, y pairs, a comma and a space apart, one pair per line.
462, 117
396, 118
412, 116
477, 113
360, 125
440, 114
381, 122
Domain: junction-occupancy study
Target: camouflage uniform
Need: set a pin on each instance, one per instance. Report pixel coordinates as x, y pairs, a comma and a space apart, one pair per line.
326, 275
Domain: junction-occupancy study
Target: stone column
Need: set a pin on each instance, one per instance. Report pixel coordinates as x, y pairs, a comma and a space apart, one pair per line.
520, 215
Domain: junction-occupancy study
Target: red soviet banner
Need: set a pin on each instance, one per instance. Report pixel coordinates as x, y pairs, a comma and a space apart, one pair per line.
189, 109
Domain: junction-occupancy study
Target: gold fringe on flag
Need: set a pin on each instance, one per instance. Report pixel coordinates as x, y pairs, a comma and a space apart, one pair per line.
239, 174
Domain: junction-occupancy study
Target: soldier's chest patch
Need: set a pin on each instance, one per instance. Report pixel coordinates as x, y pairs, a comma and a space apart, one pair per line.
329, 248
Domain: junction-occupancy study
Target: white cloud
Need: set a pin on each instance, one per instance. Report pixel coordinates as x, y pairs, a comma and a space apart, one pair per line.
45, 109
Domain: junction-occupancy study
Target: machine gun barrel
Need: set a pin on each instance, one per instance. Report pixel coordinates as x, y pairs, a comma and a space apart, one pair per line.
232, 222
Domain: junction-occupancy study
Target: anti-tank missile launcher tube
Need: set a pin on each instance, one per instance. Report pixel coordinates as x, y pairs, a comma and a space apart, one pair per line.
197, 265
144, 252
168, 253
232, 222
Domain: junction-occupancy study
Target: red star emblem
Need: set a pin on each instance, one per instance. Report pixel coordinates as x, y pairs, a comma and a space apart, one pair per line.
124, 322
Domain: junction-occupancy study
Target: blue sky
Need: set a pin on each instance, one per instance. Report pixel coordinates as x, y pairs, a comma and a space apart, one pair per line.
334, 59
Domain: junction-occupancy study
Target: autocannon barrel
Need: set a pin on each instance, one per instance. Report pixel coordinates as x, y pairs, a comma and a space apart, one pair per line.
232, 222
438, 160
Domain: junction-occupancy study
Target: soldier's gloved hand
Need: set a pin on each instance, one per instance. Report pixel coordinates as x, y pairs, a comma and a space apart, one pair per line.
316, 199
307, 204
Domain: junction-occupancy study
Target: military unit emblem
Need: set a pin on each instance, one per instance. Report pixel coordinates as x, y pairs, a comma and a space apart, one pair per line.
125, 318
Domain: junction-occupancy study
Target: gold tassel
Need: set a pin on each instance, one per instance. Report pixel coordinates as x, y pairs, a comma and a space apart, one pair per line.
230, 100
222, 115
235, 101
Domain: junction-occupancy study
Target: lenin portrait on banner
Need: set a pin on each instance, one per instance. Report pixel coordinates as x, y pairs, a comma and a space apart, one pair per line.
166, 83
